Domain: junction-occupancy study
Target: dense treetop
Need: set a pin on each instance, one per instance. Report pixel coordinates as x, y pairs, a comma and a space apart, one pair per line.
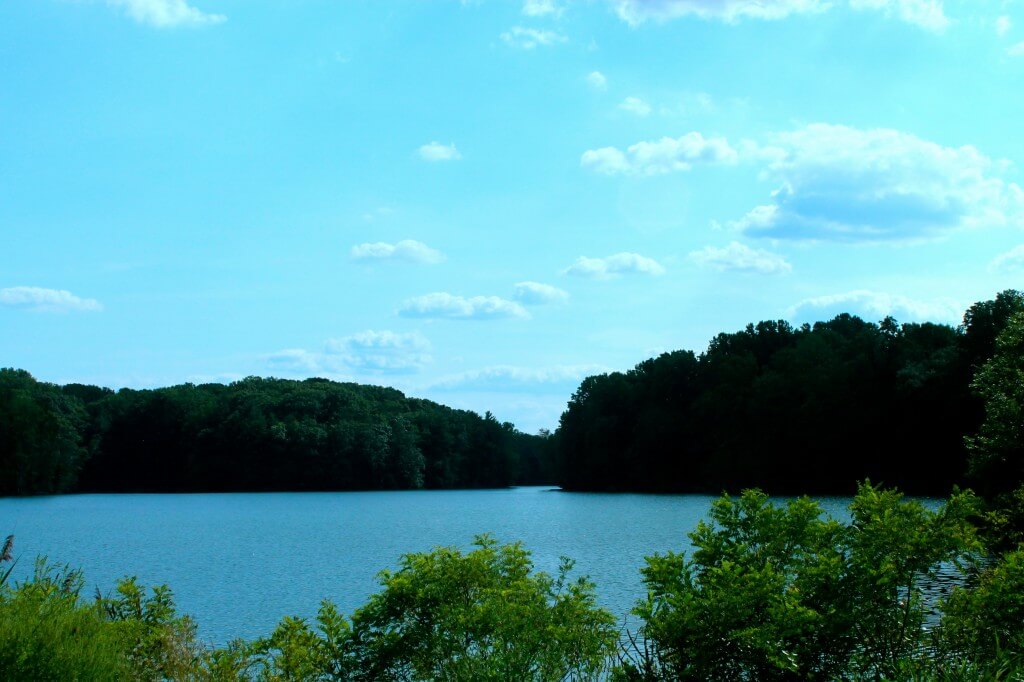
789, 409
254, 434
809, 409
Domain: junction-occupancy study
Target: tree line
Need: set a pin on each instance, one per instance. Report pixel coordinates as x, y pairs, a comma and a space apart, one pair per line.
254, 434
808, 409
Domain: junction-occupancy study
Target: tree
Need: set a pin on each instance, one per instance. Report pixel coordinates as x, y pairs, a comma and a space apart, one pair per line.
997, 451
784, 593
482, 615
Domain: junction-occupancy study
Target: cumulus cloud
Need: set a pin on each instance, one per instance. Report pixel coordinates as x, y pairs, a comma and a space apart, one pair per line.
510, 378
529, 38
1011, 261
636, 12
615, 265
301, 361
1003, 25
843, 184
597, 80
369, 352
166, 13
635, 105
442, 305
541, 8
535, 293
408, 250
384, 352
927, 14
737, 257
661, 156
435, 151
874, 306
47, 300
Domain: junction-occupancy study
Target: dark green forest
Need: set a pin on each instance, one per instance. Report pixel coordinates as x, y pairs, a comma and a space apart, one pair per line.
810, 409
254, 434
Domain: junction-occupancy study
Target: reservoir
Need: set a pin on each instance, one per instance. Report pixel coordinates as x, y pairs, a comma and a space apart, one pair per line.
239, 562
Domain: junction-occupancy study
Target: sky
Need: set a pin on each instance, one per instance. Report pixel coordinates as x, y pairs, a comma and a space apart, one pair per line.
482, 202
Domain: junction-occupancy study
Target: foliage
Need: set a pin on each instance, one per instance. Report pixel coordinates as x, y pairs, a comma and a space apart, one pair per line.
986, 622
40, 436
784, 593
808, 409
47, 635
159, 644
997, 452
893, 547
483, 615
255, 434
297, 651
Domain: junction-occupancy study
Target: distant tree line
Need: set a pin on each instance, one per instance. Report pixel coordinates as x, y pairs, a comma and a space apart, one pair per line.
254, 434
809, 409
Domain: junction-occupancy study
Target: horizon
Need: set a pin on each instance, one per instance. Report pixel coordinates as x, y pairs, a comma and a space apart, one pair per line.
481, 203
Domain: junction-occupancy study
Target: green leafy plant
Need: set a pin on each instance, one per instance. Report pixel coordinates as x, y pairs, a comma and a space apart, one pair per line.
46, 634
482, 615
785, 593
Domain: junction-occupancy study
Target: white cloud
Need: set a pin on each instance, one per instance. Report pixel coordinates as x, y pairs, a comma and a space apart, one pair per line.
636, 12
1011, 261
1003, 25
379, 213
529, 38
382, 351
47, 300
535, 293
540, 8
369, 352
408, 250
662, 156
837, 183
874, 306
1016, 50
435, 151
615, 265
597, 80
510, 378
635, 105
166, 13
302, 361
927, 14
738, 257
443, 305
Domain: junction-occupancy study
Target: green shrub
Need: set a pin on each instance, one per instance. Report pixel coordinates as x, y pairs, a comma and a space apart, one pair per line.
157, 642
297, 651
47, 634
986, 622
483, 615
785, 593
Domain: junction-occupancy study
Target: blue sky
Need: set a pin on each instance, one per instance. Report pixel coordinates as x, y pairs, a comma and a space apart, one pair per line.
481, 202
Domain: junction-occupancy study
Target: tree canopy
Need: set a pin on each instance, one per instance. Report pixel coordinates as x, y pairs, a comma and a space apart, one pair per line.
254, 434
809, 409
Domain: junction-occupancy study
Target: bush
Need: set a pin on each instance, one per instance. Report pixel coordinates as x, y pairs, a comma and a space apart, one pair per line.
46, 634
483, 615
784, 593
986, 623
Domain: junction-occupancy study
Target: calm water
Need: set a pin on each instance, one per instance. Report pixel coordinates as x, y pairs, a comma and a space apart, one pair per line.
239, 562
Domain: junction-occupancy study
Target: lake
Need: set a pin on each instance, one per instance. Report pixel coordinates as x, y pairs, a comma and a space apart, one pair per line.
239, 562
